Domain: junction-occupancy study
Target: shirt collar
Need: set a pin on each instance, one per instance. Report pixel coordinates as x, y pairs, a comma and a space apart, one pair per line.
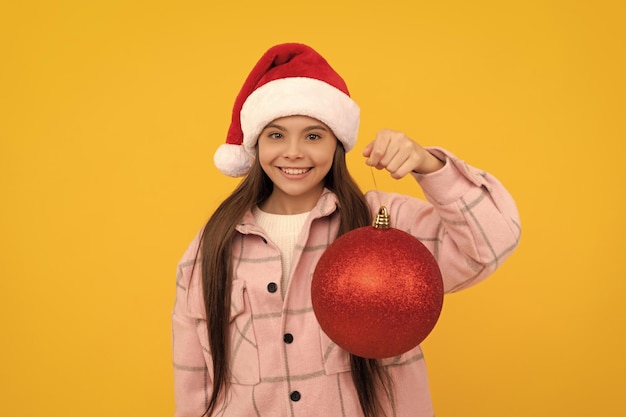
325, 206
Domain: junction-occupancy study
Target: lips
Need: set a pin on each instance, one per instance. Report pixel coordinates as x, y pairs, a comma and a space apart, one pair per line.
295, 171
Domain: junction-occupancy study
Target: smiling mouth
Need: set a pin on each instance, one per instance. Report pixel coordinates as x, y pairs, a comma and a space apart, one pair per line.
295, 171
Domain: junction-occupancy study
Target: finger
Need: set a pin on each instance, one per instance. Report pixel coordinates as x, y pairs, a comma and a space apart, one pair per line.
379, 148
393, 152
403, 170
395, 163
368, 149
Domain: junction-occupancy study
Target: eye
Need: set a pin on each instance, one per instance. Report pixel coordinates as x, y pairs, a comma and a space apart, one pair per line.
275, 135
313, 136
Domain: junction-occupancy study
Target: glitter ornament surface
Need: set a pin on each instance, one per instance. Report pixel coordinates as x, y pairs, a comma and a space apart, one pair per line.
377, 292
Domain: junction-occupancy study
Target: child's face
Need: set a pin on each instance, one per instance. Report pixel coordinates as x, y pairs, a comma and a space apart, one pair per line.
296, 152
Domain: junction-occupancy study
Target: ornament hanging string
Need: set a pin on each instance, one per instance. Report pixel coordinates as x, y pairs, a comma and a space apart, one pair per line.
381, 220
380, 203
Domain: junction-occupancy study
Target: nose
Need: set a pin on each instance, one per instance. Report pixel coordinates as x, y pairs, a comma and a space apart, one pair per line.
293, 149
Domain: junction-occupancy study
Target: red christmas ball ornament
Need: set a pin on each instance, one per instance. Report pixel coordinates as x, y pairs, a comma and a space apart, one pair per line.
377, 291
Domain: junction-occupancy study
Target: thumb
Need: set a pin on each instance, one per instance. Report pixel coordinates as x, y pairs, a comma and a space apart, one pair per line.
368, 149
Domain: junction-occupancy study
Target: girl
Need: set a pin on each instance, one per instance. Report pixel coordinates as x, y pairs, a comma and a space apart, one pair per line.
245, 338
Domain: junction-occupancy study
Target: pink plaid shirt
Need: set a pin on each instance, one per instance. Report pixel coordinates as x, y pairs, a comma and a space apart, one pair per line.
282, 363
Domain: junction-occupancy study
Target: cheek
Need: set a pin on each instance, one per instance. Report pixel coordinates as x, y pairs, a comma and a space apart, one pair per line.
264, 154
325, 156
265, 164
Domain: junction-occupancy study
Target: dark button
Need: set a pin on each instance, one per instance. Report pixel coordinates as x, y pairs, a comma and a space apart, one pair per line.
288, 338
272, 287
295, 396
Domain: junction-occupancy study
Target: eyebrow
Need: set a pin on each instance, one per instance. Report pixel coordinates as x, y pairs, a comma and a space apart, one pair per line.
306, 129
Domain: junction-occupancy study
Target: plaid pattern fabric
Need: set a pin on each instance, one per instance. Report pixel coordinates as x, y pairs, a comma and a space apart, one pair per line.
282, 363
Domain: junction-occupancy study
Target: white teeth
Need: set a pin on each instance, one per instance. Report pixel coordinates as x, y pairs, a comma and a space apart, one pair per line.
294, 171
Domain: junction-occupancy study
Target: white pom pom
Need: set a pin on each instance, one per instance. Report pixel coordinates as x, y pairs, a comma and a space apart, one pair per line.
232, 160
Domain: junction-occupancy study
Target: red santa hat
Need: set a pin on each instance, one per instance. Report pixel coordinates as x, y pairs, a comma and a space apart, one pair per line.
289, 79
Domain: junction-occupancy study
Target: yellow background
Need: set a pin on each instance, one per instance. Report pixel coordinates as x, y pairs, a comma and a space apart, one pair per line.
110, 112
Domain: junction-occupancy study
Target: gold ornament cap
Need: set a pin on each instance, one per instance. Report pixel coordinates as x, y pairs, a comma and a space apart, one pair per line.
381, 221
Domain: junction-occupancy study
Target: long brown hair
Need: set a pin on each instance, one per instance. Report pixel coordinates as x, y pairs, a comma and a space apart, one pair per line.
215, 254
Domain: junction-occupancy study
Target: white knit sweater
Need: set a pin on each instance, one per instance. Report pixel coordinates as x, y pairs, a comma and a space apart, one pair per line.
283, 230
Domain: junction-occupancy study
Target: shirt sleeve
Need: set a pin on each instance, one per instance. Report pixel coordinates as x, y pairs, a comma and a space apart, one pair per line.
191, 374
469, 222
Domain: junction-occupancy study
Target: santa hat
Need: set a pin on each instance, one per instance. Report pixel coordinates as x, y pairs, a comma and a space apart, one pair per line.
289, 79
